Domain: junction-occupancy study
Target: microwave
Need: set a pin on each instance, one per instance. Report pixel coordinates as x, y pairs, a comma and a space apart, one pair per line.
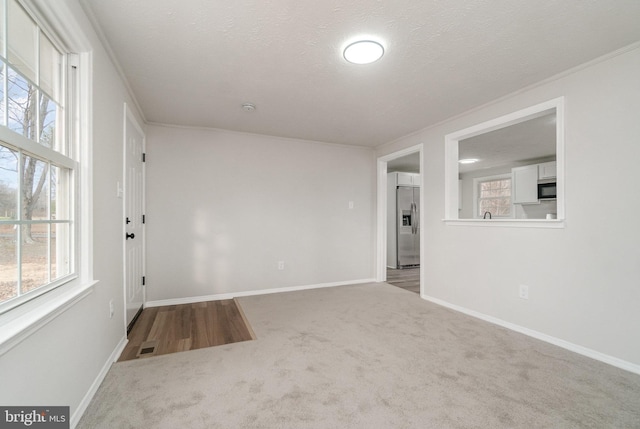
547, 191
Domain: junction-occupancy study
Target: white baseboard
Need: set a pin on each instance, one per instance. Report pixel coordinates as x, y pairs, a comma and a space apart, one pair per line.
593, 354
231, 295
82, 407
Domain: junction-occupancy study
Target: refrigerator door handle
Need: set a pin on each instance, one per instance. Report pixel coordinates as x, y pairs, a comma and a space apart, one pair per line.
417, 220
413, 218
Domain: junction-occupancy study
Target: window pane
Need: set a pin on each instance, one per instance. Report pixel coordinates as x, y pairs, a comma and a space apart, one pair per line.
34, 189
60, 251
35, 261
54, 174
2, 28
50, 68
48, 121
8, 262
8, 184
60, 188
22, 38
2, 107
33, 192
22, 105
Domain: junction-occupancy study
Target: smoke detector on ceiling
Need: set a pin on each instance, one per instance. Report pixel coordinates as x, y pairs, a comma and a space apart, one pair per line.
248, 107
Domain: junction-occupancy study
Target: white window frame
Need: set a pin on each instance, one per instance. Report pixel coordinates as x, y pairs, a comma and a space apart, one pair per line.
476, 195
57, 21
451, 179
27, 147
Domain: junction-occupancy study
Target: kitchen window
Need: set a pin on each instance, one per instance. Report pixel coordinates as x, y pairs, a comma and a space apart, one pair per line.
493, 197
37, 168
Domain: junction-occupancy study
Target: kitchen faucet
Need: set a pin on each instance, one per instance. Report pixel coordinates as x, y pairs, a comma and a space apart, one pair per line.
485, 215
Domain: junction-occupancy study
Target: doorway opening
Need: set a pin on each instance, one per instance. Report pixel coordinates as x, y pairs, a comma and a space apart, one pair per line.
400, 217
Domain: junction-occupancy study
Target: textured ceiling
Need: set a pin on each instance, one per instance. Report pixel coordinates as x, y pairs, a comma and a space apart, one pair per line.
525, 141
194, 62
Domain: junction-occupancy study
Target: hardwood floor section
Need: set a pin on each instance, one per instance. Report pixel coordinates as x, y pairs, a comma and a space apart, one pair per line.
177, 328
408, 279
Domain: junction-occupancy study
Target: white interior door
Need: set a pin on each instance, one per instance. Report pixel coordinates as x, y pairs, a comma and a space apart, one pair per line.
133, 217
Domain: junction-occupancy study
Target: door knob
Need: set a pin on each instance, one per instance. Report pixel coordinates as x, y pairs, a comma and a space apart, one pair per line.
131, 236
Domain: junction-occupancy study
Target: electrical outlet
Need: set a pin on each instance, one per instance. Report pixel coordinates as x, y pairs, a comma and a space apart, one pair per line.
523, 292
351, 205
281, 265
111, 309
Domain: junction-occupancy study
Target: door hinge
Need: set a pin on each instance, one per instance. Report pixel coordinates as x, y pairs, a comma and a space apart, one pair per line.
144, 280
144, 157
144, 218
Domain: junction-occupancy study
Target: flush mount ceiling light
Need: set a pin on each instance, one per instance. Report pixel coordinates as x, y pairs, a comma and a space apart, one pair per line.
468, 161
248, 107
363, 52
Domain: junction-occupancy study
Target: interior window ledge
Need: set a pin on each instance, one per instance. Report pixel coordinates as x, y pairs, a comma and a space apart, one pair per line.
508, 223
15, 329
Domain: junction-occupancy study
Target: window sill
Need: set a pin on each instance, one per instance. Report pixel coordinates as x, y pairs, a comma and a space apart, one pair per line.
18, 324
507, 223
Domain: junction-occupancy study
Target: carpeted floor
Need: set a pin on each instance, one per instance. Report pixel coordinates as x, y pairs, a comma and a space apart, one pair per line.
366, 356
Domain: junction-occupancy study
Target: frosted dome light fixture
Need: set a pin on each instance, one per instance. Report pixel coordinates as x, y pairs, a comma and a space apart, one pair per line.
468, 161
363, 52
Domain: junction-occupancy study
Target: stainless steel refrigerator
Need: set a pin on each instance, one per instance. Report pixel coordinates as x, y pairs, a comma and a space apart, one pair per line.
407, 226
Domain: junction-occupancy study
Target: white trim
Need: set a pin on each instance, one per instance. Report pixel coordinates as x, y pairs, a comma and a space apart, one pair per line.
84, 403
18, 141
84, 178
381, 227
508, 223
451, 152
247, 133
401, 153
231, 295
58, 16
584, 351
18, 328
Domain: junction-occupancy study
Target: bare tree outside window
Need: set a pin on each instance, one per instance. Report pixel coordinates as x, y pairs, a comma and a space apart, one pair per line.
30, 115
36, 171
494, 196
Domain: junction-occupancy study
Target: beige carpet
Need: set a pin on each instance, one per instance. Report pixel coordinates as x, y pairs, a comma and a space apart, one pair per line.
367, 356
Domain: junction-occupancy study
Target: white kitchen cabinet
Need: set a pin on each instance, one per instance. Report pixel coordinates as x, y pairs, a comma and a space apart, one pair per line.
406, 179
524, 184
547, 170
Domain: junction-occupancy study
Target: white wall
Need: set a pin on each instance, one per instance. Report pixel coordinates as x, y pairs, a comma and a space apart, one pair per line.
583, 279
223, 208
58, 364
